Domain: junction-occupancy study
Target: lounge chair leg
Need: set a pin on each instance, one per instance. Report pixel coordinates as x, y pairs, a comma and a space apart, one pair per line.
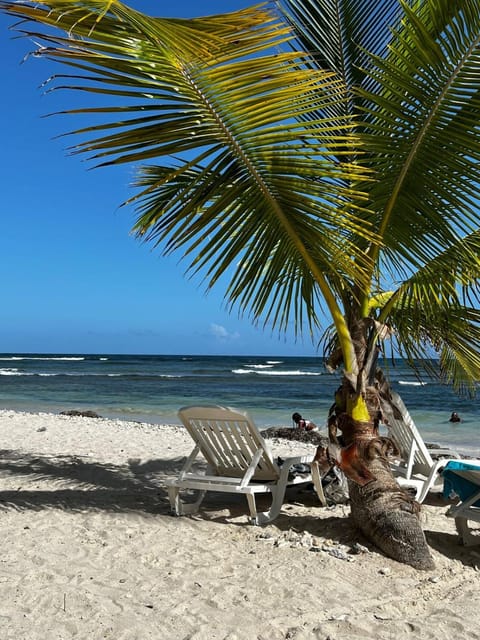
180, 508
466, 536
253, 508
264, 517
278, 494
317, 482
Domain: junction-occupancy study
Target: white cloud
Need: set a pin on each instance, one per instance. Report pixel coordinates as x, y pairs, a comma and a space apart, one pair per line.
222, 334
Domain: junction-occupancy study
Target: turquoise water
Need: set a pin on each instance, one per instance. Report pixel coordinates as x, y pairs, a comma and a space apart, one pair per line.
152, 388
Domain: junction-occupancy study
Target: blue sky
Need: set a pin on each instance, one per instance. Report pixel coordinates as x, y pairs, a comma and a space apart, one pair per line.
74, 279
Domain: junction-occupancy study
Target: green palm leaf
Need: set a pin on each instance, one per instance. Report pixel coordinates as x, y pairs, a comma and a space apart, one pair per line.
422, 133
433, 311
298, 180
339, 33
255, 193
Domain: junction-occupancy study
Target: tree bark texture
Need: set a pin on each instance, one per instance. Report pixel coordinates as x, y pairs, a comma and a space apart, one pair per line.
386, 514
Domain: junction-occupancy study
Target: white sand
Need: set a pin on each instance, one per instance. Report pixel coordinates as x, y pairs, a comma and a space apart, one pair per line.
90, 551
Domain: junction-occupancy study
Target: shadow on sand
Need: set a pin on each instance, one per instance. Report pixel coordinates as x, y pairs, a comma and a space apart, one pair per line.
77, 484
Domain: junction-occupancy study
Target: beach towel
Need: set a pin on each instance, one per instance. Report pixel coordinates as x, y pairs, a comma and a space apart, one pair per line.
454, 485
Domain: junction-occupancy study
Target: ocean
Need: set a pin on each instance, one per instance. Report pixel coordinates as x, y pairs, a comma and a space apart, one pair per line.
153, 388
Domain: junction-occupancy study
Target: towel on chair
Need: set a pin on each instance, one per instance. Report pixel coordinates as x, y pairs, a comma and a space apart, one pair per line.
455, 484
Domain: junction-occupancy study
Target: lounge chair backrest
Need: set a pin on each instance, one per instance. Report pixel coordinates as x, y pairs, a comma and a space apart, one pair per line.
406, 436
229, 441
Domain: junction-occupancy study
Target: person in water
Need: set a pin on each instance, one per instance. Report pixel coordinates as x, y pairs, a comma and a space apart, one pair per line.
301, 423
455, 417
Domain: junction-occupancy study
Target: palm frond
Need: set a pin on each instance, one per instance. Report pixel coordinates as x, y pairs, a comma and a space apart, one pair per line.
255, 194
298, 178
453, 338
434, 311
338, 34
422, 131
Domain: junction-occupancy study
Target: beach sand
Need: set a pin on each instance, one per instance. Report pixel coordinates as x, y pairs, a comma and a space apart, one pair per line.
90, 551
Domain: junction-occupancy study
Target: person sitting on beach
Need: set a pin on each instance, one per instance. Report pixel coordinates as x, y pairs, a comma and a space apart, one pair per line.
455, 417
301, 423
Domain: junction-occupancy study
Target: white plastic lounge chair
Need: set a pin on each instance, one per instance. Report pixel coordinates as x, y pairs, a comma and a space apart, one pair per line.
418, 467
238, 461
462, 480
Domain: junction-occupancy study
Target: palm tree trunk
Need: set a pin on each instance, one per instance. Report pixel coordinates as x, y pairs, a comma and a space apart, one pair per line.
389, 517
386, 514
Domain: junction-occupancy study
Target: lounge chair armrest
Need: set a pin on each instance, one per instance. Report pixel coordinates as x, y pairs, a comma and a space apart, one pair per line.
448, 453
189, 461
298, 460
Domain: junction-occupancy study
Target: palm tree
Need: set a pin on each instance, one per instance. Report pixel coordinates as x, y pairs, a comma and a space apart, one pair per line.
319, 156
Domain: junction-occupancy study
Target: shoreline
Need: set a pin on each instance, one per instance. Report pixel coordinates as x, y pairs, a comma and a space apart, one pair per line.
91, 550
151, 389
450, 439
